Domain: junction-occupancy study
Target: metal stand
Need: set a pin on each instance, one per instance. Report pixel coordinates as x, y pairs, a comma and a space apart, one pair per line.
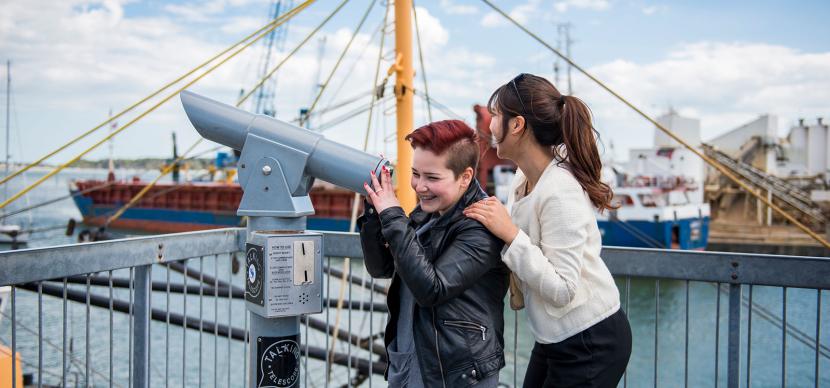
274, 354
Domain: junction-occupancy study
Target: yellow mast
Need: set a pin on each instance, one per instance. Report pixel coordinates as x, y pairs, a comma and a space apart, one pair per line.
404, 73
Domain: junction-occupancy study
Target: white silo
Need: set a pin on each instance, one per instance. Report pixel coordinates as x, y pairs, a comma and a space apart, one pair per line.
824, 150
686, 128
816, 148
797, 152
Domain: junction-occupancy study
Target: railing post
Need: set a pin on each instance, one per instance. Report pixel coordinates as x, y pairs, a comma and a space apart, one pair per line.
733, 372
141, 325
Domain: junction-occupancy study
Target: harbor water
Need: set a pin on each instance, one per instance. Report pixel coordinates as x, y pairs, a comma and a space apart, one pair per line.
661, 314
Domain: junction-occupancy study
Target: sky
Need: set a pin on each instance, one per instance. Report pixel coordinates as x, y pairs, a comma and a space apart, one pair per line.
724, 63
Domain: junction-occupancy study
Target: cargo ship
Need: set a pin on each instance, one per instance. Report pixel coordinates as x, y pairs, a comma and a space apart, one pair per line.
181, 207
172, 207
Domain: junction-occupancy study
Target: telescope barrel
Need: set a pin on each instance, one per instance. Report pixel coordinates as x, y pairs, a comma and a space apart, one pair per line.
217, 122
343, 166
327, 160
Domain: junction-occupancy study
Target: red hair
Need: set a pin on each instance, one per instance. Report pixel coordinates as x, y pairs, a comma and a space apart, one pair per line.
449, 135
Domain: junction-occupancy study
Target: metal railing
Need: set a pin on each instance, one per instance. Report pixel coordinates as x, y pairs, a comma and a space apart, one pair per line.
166, 311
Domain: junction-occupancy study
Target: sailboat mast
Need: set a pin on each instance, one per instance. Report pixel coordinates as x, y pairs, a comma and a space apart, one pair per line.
404, 74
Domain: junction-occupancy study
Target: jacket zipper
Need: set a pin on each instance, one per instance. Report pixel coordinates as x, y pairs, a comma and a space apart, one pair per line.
469, 325
437, 353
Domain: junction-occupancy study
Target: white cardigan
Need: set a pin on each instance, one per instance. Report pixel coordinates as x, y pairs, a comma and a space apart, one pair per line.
556, 256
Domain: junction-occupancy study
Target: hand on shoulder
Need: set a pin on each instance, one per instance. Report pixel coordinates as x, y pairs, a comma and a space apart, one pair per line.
491, 213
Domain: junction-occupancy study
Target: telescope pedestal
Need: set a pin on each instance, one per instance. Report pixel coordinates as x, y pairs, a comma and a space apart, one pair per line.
274, 353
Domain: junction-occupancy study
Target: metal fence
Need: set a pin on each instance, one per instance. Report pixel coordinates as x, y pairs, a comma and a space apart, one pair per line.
165, 311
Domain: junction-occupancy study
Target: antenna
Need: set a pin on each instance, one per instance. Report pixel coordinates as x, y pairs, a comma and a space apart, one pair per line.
564, 37
556, 67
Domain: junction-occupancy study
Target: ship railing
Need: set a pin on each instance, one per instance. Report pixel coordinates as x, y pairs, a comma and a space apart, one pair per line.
167, 311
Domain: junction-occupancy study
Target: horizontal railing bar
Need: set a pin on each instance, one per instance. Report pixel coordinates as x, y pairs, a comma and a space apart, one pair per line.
35, 264
341, 244
39, 264
723, 267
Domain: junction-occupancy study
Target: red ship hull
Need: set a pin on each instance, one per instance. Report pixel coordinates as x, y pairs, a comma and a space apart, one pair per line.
170, 208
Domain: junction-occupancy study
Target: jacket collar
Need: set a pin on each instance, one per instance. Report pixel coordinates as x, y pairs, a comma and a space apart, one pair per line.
474, 193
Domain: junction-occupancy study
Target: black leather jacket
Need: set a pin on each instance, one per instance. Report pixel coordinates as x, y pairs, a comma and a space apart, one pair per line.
459, 282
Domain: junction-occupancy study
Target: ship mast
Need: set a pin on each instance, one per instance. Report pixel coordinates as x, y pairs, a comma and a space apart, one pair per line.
404, 74
111, 145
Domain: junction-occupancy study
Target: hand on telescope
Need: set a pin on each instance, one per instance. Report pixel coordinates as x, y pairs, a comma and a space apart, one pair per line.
381, 195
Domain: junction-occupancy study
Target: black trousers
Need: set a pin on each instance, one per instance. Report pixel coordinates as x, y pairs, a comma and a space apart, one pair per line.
596, 357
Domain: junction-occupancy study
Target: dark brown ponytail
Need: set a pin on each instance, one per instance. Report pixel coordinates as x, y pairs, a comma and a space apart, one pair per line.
561, 122
580, 139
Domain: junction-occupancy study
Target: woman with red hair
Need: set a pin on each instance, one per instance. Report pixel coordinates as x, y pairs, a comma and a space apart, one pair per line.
446, 299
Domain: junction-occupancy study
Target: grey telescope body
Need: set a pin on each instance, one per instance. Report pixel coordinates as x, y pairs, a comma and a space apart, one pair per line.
276, 153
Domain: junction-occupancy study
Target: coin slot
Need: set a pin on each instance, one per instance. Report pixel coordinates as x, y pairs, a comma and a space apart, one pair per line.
304, 262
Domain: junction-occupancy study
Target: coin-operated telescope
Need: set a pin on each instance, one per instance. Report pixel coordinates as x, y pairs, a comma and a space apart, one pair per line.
277, 167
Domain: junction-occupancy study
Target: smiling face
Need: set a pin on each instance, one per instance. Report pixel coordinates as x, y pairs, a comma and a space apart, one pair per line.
437, 188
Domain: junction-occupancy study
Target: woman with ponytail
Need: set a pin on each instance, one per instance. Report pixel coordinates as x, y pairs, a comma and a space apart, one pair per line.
552, 242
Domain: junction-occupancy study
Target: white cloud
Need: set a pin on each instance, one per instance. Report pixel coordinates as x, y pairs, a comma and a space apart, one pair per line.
433, 34
72, 61
723, 84
596, 5
75, 62
521, 13
452, 8
242, 25
536, 9
654, 9
204, 10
